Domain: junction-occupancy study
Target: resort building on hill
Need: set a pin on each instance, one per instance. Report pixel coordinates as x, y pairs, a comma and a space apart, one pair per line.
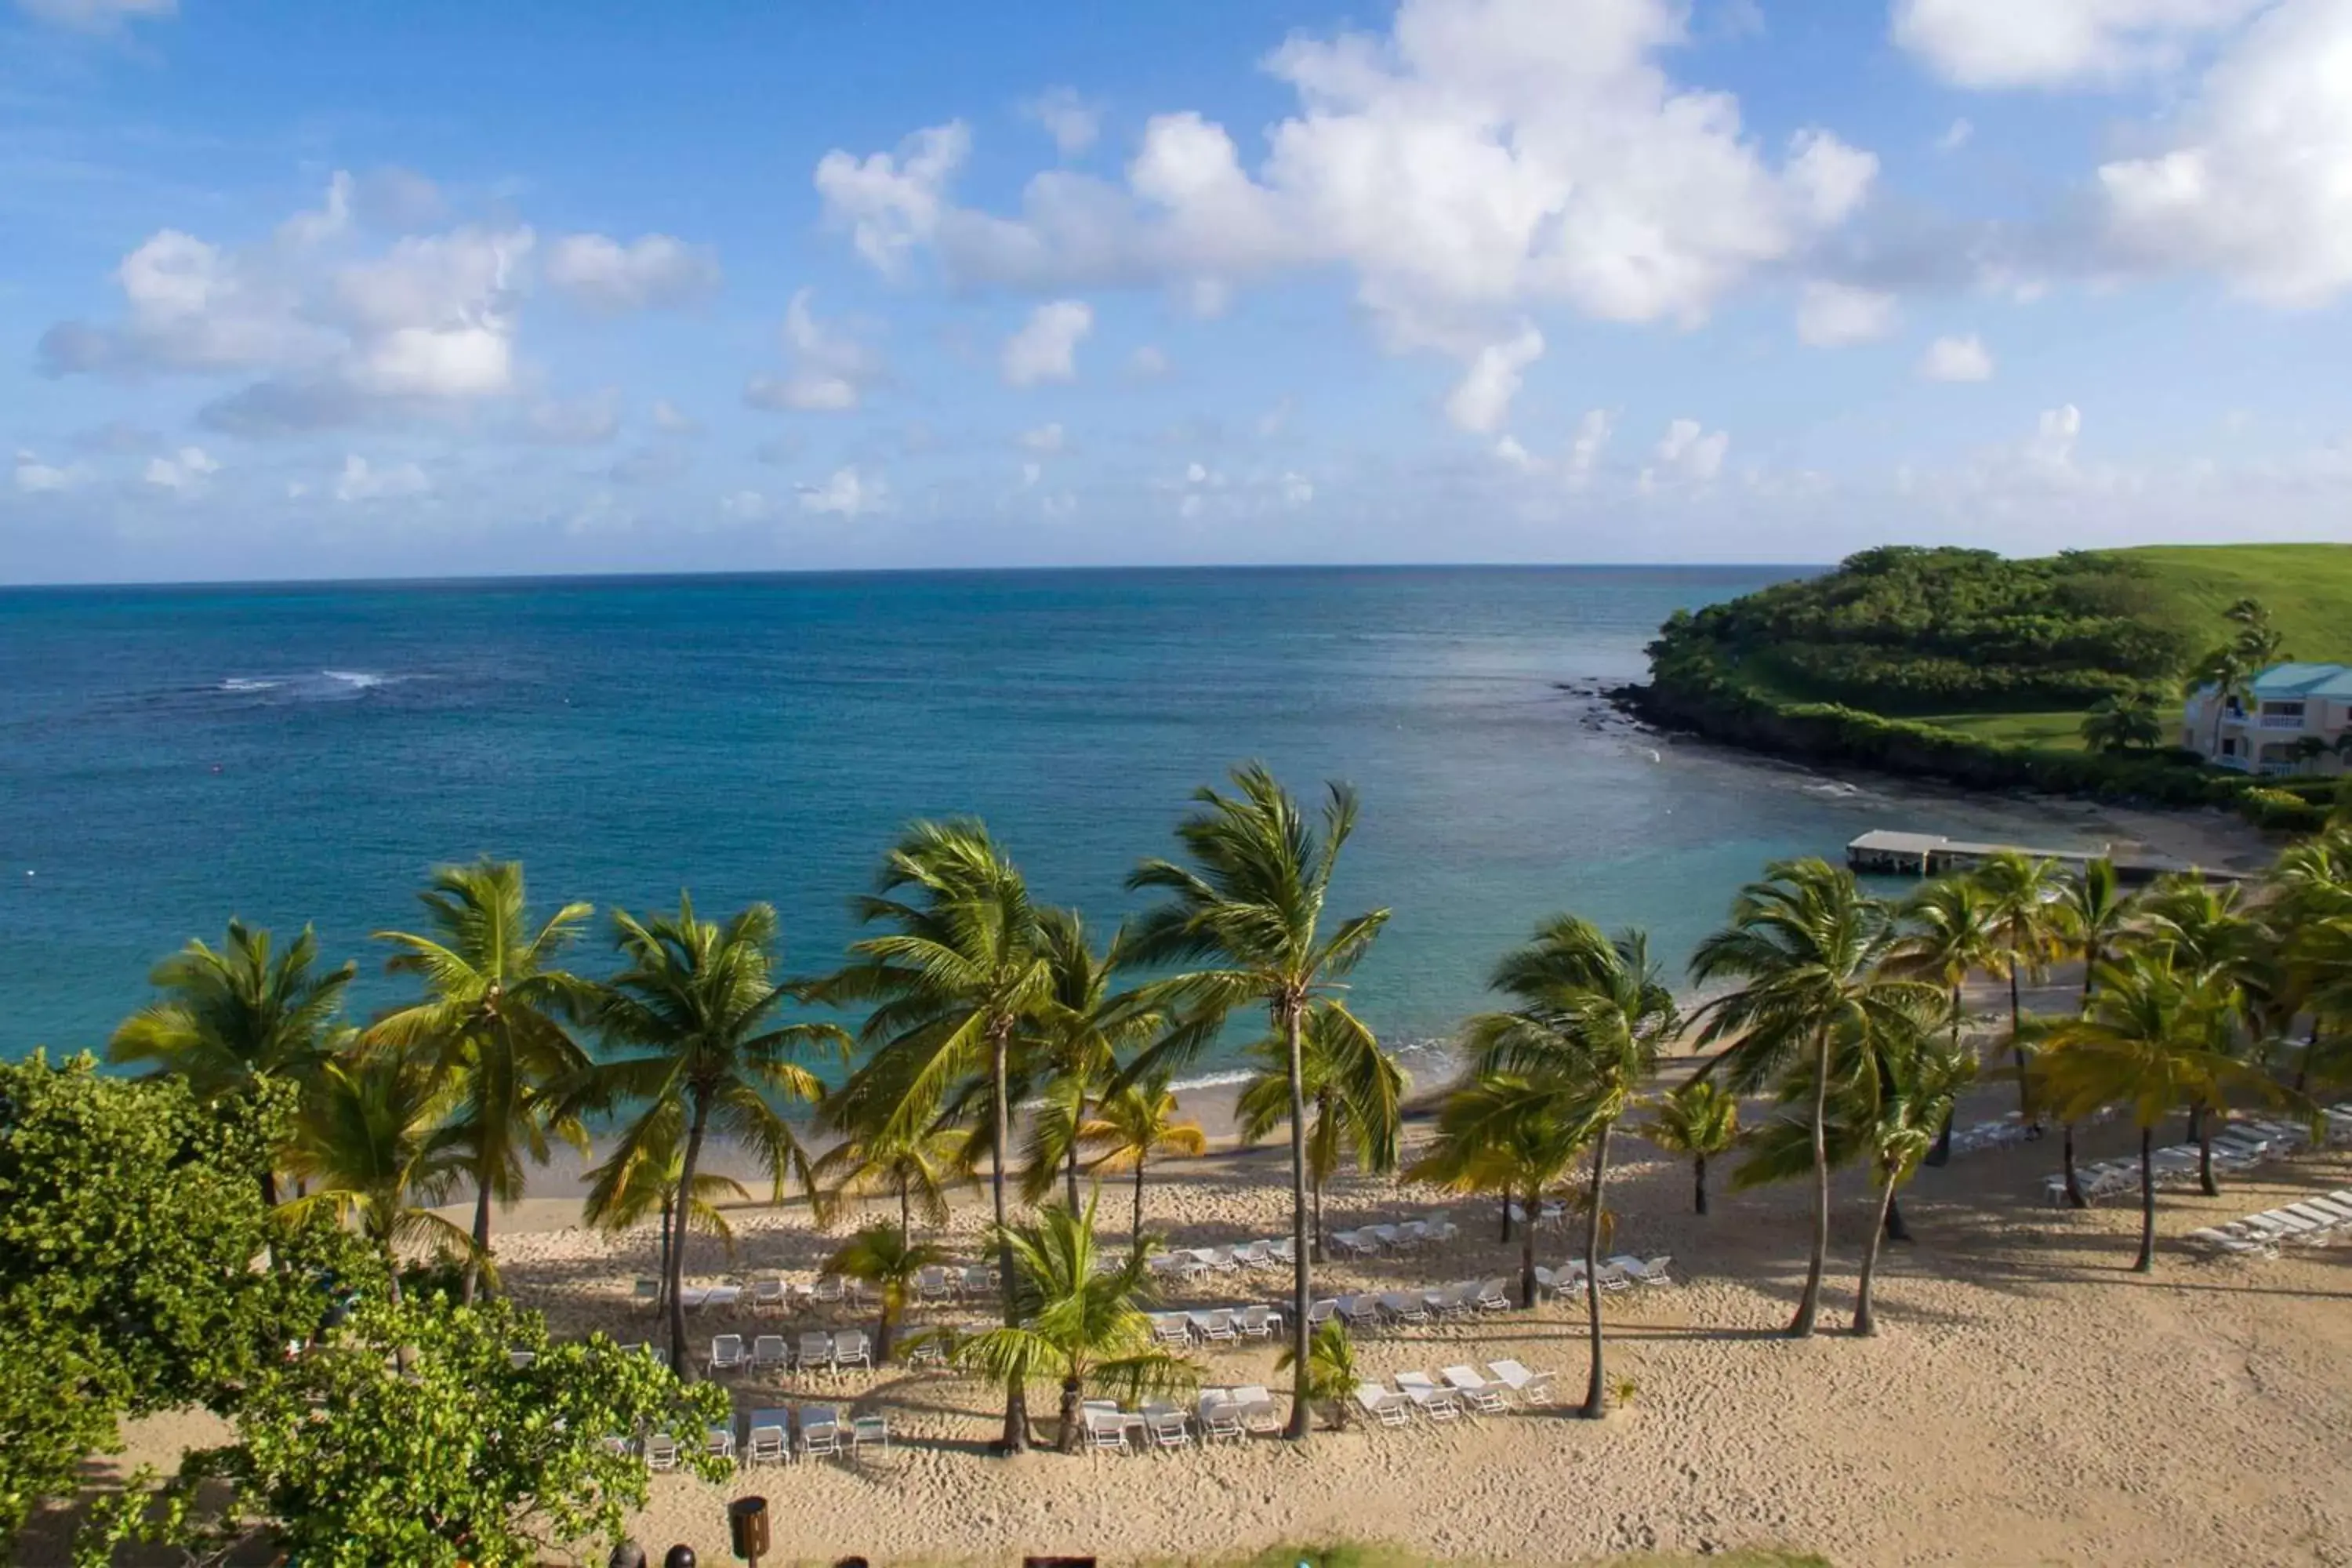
2289, 719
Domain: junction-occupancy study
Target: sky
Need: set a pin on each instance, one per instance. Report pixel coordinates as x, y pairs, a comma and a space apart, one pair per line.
438, 288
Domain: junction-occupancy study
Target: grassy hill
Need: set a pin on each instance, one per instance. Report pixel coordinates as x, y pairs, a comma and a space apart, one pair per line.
2307, 588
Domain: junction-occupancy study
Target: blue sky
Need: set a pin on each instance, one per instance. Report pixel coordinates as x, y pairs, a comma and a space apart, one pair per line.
293, 289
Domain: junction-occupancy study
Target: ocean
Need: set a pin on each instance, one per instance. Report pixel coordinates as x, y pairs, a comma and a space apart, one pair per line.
169, 757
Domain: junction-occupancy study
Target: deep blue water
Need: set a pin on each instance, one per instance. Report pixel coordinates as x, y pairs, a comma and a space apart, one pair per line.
169, 757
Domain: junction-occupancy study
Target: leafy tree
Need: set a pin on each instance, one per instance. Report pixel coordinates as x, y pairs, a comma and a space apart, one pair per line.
374, 1153
917, 1168
1249, 904
493, 1010
699, 1000
1331, 1372
1075, 1042
1131, 1124
1077, 1320
887, 1260
2028, 922
345, 1461
2126, 722
1812, 949
130, 1215
1355, 1088
1699, 1119
961, 974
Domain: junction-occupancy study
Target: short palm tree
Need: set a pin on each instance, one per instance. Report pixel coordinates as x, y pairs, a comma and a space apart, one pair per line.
960, 974
1078, 1321
642, 1178
1332, 1373
1074, 1043
1355, 1094
1133, 1124
2096, 914
1515, 1136
920, 1170
235, 1017
2028, 922
1698, 1119
2148, 1045
1910, 1100
697, 1002
2200, 929
371, 1146
2124, 721
1250, 905
1812, 949
885, 1259
494, 1001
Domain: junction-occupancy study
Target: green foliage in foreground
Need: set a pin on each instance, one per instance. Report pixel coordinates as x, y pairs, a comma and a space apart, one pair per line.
412, 1438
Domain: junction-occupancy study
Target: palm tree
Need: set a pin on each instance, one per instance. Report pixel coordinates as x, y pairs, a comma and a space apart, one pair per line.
1911, 1099
2096, 913
1516, 1136
491, 1014
2124, 721
2147, 1045
1077, 1320
371, 1145
2257, 641
699, 1000
918, 1169
1332, 1373
1701, 1119
1354, 1089
643, 1177
1813, 951
233, 1017
2224, 669
2028, 922
1252, 903
1593, 1011
963, 974
1075, 1041
887, 1260
1950, 932
1133, 1124
2199, 928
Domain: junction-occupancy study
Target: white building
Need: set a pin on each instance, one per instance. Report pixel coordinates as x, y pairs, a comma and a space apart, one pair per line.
2290, 718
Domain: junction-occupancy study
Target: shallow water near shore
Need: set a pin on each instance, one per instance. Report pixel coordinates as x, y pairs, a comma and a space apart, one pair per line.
169, 757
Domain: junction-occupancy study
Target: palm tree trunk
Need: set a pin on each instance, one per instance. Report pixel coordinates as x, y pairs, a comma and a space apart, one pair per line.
674, 1281
2146, 1262
1505, 1237
1527, 1259
1596, 1393
1864, 1325
1941, 1155
1893, 1224
1070, 1167
882, 1327
1287, 1019
661, 1290
482, 1232
1066, 1441
1698, 1187
2017, 1047
1139, 1196
905, 1213
1808, 1304
2074, 1198
1015, 1439
2205, 1182
1315, 1189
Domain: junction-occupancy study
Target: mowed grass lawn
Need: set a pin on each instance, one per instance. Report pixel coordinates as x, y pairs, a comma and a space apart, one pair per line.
2052, 731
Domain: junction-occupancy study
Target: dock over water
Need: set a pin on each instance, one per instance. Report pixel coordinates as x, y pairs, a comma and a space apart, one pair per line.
1886, 852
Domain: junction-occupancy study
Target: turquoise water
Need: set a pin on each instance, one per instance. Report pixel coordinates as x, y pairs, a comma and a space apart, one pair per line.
169, 757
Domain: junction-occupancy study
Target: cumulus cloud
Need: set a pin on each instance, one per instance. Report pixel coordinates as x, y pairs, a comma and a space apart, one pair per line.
1069, 119
2057, 43
609, 278
1688, 454
95, 16
1957, 135
1483, 398
35, 477
1044, 440
892, 202
831, 371
744, 506
2052, 445
1957, 359
1593, 432
184, 469
363, 482
1046, 346
1834, 315
848, 493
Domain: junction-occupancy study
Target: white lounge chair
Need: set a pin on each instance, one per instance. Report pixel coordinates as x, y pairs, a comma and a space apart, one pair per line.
767, 1441
1491, 1397
1220, 1417
1386, 1408
829, 1288
1494, 1296
933, 1285
1174, 1329
1359, 1312
1405, 1308
820, 1431
1259, 1322
1105, 1429
661, 1452
721, 1297
727, 1352
771, 1354
870, 1430
518, 1360
1258, 1411
1654, 1272
1217, 1326
1167, 1427
769, 1295
1529, 1388
1437, 1402
719, 1442
1322, 1312
816, 1350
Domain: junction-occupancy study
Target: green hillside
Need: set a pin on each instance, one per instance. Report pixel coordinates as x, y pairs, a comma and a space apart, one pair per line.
2307, 588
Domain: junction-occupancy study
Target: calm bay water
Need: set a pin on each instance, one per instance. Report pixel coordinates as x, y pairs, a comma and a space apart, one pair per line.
169, 757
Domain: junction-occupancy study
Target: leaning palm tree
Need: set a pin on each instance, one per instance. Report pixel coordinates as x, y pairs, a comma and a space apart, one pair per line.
643, 1178
2095, 915
963, 973
2149, 1044
1910, 1098
2225, 670
1595, 1012
234, 1016
1133, 1124
1699, 1120
492, 1016
2029, 923
2200, 929
1073, 1042
697, 1002
1355, 1092
887, 1260
920, 1170
1076, 1321
369, 1146
1812, 949
1249, 904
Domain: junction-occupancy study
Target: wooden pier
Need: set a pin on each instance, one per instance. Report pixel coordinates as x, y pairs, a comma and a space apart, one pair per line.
1884, 852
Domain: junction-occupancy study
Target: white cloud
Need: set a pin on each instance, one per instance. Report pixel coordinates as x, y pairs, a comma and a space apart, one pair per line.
745, 506
1957, 135
1957, 359
1832, 315
1687, 454
1483, 398
2253, 185
2052, 446
1509, 451
1044, 440
892, 202
1147, 363
1297, 490
611, 277
1593, 432
2057, 43
362, 481
184, 469
848, 493
95, 16
1045, 348
582, 422
672, 420
831, 370
1031, 473
35, 477
1069, 119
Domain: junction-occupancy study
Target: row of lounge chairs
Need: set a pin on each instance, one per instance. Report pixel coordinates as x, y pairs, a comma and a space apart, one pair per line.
1374, 1240
1215, 1325
1220, 1414
818, 1350
1370, 1311
1505, 1385
2240, 1146
775, 1437
2306, 1223
941, 1285
768, 1294
1199, 1262
1619, 1273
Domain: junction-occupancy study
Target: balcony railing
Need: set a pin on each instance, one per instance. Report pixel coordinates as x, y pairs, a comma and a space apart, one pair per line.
2281, 721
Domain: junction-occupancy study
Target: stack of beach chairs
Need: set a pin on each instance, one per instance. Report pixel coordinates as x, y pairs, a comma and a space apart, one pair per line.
2240, 1146
2308, 1223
